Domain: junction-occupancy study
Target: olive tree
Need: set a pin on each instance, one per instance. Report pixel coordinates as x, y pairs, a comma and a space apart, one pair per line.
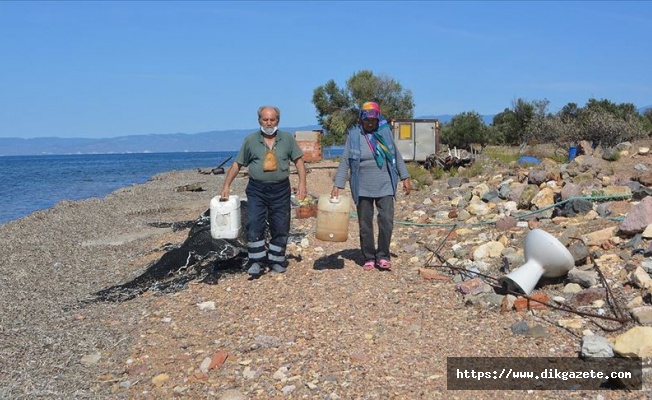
337, 108
465, 129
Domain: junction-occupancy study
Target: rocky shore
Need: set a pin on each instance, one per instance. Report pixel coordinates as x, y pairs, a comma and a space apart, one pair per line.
326, 329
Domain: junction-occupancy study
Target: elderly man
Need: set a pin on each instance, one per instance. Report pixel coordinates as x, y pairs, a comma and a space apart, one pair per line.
267, 152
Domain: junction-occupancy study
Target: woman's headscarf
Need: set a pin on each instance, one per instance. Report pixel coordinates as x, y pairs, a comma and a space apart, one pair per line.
380, 148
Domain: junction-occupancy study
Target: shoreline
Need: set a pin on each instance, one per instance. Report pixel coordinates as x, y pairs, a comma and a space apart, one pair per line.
323, 328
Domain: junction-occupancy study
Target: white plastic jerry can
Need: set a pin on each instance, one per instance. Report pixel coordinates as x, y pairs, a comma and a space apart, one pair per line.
225, 217
333, 218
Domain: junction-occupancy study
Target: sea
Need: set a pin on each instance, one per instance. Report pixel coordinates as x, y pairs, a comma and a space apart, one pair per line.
38, 182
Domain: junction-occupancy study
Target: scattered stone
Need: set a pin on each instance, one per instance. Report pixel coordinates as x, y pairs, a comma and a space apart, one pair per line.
537, 331
473, 286
588, 296
206, 306
160, 379
572, 288
636, 342
586, 279
488, 250
642, 315
638, 218
640, 278
90, 359
280, 374
579, 251
520, 328
232, 394
286, 390
575, 323
594, 346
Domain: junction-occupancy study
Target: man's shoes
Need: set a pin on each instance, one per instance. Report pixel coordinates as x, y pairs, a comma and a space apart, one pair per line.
255, 269
278, 268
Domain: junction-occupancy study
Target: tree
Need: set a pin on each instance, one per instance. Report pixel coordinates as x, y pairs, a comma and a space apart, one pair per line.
511, 124
464, 129
607, 123
337, 108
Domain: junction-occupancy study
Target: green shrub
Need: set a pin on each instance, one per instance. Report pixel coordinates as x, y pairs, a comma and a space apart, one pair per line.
418, 174
474, 169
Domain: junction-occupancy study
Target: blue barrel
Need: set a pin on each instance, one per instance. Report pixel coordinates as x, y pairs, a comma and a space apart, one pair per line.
572, 153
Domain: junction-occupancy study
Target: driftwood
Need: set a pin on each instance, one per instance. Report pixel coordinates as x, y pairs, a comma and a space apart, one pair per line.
214, 171
193, 187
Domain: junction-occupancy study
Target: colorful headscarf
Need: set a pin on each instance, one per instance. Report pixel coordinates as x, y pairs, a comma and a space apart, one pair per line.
379, 147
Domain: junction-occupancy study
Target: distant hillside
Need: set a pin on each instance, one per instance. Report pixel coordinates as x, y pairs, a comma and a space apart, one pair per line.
227, 140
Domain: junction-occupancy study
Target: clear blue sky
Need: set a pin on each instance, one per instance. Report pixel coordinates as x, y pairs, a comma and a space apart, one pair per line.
104, 69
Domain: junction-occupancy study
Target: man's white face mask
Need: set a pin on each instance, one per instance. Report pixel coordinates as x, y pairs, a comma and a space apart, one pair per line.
268, 130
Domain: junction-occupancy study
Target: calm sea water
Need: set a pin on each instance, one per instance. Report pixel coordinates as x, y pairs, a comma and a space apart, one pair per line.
32, 183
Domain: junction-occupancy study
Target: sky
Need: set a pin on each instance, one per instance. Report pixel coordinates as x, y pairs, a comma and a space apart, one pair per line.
93, 69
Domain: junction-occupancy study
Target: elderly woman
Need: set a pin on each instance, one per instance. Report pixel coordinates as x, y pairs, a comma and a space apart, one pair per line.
376, 166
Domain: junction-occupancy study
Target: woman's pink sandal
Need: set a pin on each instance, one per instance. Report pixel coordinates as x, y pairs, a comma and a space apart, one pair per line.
384, 264
369, 265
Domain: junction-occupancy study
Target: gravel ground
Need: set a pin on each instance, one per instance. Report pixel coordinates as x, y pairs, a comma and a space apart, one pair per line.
323, 330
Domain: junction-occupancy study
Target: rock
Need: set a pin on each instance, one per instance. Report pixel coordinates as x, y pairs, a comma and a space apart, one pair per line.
638, 218
456, 182
488, 250
643, 315
579, 251
281, 374
584, 147
644, 178
575, 323
206, 362
90, 359
232, 394
206, 305
477, 208
596, 346
491, 196
636, 342
647, 233
160, 379
640, 278
596, 238
570, 190
575, 207
536, 177
520, 328
506, 223
542, 200
537, 331
572, 288
526, 197
588, 296
647, 265
286, 390
618, 191
586, 279
473, 286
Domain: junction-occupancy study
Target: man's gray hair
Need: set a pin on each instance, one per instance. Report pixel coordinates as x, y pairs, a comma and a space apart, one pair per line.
278, 111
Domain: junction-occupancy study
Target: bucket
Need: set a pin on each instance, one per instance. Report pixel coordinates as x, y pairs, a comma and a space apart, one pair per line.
225, 217
572, 153
333, 218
